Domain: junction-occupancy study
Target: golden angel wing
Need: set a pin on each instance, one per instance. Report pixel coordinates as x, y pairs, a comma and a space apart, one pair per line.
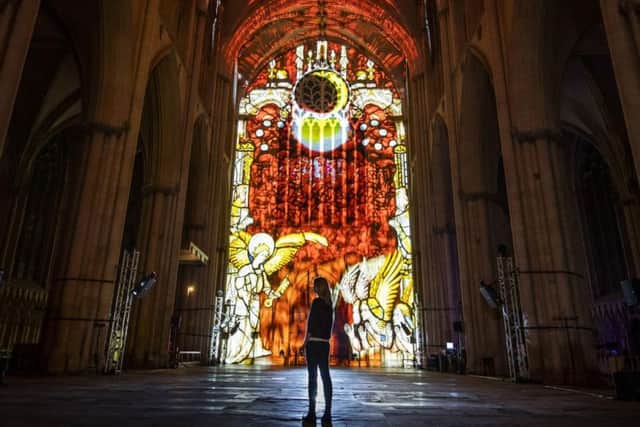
385, 287
407, 293
238, 254
287, 247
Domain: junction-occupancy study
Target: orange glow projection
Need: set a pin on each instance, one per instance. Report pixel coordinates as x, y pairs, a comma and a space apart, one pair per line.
320, 188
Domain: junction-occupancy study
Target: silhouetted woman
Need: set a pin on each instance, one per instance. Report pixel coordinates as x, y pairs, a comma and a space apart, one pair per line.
316, 347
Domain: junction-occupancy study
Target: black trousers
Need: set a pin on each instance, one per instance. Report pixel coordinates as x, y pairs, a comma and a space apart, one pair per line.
318, 358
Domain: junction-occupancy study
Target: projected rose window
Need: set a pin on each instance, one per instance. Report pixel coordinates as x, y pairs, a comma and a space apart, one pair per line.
320, 110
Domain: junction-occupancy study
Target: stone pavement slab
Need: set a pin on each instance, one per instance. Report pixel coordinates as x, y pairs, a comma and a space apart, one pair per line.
263, 396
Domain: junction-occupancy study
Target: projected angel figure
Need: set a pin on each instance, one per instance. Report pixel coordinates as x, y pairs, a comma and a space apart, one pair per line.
253, 259
381, 310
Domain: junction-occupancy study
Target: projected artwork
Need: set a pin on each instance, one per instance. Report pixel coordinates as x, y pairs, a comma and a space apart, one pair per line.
320, 188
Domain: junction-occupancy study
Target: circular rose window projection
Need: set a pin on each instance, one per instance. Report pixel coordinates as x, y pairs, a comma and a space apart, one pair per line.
320, 121
316, 93
322, 92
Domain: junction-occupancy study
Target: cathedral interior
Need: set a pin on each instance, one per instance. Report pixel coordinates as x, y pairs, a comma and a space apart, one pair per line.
175, 173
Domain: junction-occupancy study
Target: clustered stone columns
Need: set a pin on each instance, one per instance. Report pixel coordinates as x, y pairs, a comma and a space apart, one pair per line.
17, 21
553, 288
149, 340
442, 306
195, 310
484, 337
622, 24
629, 205
76, 326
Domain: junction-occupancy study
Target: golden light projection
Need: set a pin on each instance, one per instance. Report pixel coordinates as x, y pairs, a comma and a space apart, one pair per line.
320, 188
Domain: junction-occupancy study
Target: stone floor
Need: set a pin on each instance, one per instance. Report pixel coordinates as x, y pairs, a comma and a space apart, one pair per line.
255, 396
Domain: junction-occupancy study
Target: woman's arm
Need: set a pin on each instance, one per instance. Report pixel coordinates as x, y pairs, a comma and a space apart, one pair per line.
306, 332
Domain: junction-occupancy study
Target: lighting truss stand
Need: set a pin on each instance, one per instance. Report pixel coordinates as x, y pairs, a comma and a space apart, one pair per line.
515, 344
214, 354
418, 334
121, 312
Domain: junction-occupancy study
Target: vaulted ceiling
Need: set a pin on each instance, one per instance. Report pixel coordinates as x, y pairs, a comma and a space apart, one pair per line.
385, 30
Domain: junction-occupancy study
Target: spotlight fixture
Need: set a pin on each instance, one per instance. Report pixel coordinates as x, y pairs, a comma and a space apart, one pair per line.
489, 294
144, 285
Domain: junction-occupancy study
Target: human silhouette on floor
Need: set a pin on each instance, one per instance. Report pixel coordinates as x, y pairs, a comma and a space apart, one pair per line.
316, 347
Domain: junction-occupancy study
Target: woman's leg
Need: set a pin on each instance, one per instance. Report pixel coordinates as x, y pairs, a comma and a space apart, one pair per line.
323, 364
312, 368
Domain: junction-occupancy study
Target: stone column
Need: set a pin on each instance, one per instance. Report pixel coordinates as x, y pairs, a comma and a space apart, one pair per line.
622, 24
442, 305
484, 335
629, 206
554, 291
196, 310
17, 21
548, 243
82, 293
148, 344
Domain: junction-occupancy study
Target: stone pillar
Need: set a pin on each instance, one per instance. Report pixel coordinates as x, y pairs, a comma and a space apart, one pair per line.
622, 24
548, 243
484, 335
444, 302
163, 220
196, 309
555, 293
148, 345
629, 206
442, 305
17, 21
77, 322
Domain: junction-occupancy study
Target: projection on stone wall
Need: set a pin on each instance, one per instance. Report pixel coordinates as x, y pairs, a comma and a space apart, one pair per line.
320, 188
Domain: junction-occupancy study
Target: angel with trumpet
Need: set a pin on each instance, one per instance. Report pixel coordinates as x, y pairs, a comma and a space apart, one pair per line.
253, 259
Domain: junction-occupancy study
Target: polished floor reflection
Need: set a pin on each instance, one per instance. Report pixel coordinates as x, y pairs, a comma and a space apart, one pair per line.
254, 396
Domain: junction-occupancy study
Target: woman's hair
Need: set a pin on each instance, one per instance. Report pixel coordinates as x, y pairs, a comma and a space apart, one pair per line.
321, 285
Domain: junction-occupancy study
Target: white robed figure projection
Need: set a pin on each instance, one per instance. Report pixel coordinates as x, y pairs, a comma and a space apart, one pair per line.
254, 259
382, 314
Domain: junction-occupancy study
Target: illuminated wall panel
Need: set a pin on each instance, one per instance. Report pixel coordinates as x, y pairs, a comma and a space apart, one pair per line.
320, 188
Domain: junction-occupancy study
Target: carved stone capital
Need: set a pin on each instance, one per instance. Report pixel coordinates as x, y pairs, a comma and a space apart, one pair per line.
534, 135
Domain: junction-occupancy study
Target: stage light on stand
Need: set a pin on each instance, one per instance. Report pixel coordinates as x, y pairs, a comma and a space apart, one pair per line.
490, 295
144, 285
